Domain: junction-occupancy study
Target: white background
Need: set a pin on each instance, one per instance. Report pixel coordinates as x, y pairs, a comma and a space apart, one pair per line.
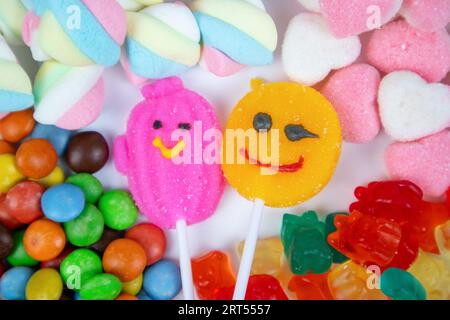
359, 164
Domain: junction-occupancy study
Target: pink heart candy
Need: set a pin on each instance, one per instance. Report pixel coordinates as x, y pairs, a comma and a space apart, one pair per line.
353, 17
398, 46
353, 93
425, 162
427, 15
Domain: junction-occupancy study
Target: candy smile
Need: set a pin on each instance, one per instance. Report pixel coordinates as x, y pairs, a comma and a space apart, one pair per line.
292, 167
169, 153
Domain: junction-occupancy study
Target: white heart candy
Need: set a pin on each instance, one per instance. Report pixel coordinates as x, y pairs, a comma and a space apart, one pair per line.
411, 108
310, 51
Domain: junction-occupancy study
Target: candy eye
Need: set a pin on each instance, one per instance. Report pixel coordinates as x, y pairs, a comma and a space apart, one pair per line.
184, 126
296, 132
157, 124
262, 122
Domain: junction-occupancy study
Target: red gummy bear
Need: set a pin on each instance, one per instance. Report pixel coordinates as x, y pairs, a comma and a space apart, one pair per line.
366, 239
311, 287
402, 202
260, 287
210, 272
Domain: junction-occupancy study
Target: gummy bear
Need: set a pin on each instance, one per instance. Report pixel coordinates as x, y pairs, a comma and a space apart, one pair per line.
305, 245
311, 287
434, 215
260, 287
366, 239
399, 284
400, 202
268, 256
210, 272
338, 257
350, 281
432, 271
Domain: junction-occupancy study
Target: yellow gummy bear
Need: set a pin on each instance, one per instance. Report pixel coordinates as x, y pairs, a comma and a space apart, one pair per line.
54, 178
282, 143
9, 174
350, 281
432, 272
268, 256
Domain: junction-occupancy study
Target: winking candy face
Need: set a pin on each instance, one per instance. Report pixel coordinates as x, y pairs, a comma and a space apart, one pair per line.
308, 144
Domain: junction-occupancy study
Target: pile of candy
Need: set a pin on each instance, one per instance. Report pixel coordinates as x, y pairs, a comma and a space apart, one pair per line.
68, 238
393, 245
393, 82
65, 238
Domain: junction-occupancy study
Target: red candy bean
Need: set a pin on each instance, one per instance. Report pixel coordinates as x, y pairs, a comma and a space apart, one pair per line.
152, 240
5, 218
23, 201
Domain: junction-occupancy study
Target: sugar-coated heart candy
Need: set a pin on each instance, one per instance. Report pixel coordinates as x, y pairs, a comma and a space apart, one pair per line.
310, 51
426, 15
353, 93
425, 162
398, 46
410, 108
353, 17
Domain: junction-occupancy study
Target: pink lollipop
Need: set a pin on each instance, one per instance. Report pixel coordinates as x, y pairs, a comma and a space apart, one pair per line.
173, 183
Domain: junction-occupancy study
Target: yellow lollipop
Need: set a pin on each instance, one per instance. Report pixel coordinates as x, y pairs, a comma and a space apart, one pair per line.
303, 144
281, 146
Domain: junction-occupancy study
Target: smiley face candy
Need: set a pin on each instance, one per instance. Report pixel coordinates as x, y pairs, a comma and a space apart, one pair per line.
309, 144
164, 189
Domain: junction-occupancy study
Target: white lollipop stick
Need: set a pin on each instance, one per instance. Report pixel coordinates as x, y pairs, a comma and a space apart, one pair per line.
185, 261
249, 251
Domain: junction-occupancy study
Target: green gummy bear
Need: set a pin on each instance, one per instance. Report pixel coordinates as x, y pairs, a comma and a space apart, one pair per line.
305, 244
399, 284
330, 228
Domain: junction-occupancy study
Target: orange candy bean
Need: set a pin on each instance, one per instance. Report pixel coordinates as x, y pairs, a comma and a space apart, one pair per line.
125, 259
36, 158
17, 125
5, 147
44, 240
